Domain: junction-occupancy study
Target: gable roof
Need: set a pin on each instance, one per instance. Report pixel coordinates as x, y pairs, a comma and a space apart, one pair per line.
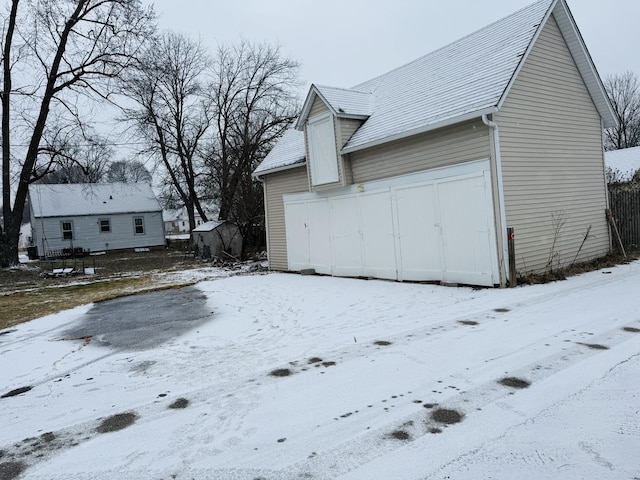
79, 199
342, 102
463, 80
625, 161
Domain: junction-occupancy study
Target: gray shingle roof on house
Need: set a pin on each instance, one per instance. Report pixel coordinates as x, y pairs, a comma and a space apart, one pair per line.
66, 200
463, 80
625, 161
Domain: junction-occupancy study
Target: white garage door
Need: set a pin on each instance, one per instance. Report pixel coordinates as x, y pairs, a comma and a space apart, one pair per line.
430, 226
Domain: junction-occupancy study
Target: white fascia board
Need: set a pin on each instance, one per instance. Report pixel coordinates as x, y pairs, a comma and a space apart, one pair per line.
353, 117
424, 129
584, 63
524, 58
581, 57
258, 176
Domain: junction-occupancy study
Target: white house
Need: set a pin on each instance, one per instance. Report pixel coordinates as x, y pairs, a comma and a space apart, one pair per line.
94, 217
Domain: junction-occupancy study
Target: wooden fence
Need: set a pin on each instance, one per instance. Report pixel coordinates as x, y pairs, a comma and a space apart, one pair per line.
625, 207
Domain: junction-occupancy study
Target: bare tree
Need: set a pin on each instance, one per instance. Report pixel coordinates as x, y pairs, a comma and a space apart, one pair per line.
255, 100
173, 113
624, 92
73, 160
127, 171
57, 56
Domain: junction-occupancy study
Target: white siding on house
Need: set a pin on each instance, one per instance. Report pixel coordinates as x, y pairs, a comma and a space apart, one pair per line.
552, 157
275, 186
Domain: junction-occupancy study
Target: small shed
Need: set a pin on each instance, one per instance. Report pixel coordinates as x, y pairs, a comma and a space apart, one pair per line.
217, 239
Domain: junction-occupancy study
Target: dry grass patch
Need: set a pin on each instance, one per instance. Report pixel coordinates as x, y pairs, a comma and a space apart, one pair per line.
26, 293
28, 305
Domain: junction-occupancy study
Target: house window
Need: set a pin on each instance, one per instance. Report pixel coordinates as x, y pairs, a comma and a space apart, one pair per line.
322, 150
138, 225
105, 225
67, 230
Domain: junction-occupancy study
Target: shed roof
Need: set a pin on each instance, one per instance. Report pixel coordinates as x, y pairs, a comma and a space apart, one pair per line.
79, 199
626, 161
208, 226
463, 80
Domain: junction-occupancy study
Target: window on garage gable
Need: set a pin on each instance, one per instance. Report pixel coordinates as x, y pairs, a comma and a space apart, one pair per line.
323, 153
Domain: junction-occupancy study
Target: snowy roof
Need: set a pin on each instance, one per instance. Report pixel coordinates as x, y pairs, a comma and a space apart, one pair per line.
208, 226
288, 151
64, 200
343, 102
461, 81
625, 161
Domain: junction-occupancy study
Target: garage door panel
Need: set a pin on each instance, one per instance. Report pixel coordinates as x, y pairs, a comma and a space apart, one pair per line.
297, 235
346, 239
466, 230
420, 250
378, 240
319, 227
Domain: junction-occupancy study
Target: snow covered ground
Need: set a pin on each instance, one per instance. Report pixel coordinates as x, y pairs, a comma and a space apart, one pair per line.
305, 377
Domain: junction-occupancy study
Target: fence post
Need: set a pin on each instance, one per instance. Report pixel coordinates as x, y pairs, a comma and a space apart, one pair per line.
511, 237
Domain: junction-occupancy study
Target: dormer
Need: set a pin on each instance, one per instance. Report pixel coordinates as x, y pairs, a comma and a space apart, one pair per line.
329, 117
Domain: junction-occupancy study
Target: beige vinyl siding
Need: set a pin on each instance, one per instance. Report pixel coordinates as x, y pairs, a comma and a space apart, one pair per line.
552, 158
447, 146
275, 186
348, 126
318, 107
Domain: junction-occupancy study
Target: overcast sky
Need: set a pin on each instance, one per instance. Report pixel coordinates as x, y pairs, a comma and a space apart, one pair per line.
345, 42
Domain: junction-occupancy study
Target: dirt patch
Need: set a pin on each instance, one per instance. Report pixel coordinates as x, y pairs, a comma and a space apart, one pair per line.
447, 416
382, 343
468, 322
631, 329
400, 435
328, 364
117, 422
594, 346
514, 382
179, 403
48, 437
16, 391
435, 430
10, 470
280, 372
429, 405
314, 360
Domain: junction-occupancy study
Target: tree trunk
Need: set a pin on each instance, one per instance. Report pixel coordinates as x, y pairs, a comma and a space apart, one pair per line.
9, 242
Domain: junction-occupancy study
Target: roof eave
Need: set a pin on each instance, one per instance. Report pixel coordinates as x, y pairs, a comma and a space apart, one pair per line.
258, 175
423, 129
581, 56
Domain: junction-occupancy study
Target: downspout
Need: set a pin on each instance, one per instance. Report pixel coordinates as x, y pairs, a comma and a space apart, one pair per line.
503, 217
261, 179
